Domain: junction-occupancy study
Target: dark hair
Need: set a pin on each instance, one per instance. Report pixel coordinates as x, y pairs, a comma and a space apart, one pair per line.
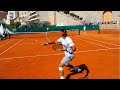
63, 30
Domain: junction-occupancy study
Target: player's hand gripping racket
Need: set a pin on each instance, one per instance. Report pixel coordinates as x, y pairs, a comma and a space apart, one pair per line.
44, 44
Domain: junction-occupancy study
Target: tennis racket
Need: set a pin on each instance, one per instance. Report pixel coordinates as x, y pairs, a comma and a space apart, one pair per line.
60, 47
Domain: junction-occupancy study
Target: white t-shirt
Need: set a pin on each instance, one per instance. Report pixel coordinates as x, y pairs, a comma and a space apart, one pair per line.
67, 42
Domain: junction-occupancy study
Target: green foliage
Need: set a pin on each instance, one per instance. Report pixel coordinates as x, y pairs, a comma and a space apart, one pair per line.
38, 24
17, 24
11, 27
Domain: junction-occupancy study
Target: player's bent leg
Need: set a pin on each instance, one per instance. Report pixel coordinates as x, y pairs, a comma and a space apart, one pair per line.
61, 71
66, 60
70, 58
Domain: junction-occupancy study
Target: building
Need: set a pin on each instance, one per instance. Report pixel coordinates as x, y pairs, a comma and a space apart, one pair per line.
34, 17
12, 15
98, 16
58, 17
3, 15
23, 14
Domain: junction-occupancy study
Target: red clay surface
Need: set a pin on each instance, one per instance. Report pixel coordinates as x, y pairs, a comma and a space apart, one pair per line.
26, 58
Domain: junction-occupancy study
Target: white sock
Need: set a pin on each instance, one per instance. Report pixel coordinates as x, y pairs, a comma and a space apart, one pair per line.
79, 69
62, 77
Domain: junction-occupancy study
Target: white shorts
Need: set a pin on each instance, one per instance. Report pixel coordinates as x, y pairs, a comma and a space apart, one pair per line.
66, 60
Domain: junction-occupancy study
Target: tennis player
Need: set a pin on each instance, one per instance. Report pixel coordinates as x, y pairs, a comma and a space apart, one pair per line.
69, 54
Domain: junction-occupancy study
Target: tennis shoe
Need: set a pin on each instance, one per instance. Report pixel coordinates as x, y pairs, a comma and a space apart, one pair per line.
77, 69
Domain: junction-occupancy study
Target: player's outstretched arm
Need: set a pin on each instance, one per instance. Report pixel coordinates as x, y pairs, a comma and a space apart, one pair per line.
53, 42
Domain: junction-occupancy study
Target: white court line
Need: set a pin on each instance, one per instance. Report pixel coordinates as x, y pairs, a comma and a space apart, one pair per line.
6, 43
98, 50
30, 43
100, 41
32, 56
47, 37
91, 43
59, 53
12, 46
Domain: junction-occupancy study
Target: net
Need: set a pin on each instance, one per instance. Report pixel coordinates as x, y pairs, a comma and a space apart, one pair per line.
21, 35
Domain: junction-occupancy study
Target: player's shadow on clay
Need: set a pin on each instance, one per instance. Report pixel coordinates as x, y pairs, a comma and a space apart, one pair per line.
82, 67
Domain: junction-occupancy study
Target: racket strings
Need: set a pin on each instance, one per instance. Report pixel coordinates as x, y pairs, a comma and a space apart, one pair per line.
59, 47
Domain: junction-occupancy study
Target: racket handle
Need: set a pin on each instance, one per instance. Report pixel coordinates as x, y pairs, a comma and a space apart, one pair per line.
68, 52
44, 44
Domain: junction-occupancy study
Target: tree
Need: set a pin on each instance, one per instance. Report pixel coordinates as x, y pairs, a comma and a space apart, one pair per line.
17, 24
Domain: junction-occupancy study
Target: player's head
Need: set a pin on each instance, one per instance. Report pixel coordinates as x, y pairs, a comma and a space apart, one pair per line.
63, 32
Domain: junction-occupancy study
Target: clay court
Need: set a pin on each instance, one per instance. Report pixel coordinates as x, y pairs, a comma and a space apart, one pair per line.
25, 58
